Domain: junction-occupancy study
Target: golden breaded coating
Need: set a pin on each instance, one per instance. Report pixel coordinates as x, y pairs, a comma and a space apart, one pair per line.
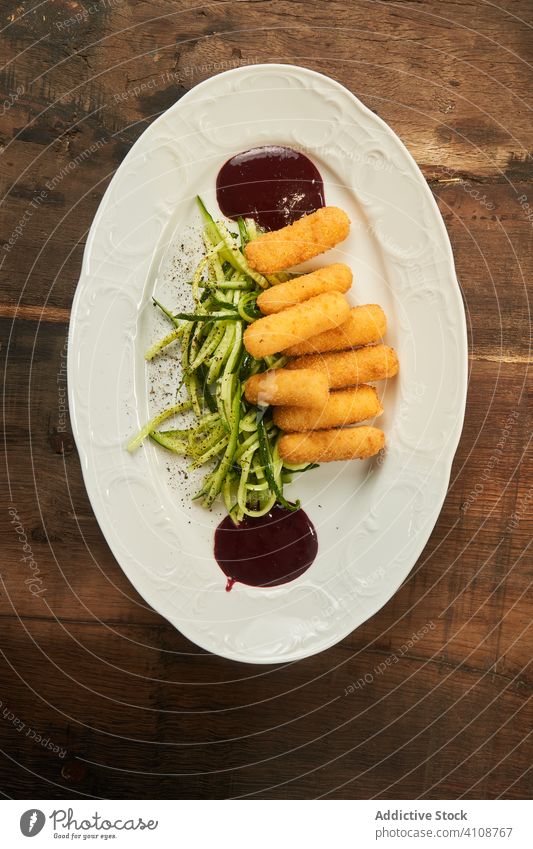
276, 332
343, 407
302, 387
308, 237
349, 368
333, 278
364, 325
324, 446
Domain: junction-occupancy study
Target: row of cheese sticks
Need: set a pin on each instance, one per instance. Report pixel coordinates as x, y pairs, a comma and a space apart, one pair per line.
306, 381
324, 385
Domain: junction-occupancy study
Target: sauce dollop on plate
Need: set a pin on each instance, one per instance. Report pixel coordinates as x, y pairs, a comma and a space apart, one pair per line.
274, 185
266, 551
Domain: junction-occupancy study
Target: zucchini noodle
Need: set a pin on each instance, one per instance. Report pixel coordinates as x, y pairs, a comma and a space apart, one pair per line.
238, 439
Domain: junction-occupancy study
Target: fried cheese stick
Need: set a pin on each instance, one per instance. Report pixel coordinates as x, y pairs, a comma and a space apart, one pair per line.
333, 278
324, 446
309, 236
350, 368
276, 332
343, 407
364, 324
302, 387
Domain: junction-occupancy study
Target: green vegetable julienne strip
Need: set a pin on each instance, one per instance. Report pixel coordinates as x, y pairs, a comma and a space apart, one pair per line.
210, 227
252, 229
235, 353
237, 285
248, 423
228, 388
172, 440
276, 361
166, 312
266, 506
210, 344
212, 452
242, 490
251, 441
209, 401
167, 340
226, 492
199, 445
227, 459
191, 384
154, 423
207, 421
257, 487
193, 317
237, 258
247, 309
215, 236
243, 232
266, 462
221, 353
197, 278
221, 304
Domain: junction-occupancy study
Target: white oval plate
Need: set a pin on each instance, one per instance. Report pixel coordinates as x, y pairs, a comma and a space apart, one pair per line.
373, 518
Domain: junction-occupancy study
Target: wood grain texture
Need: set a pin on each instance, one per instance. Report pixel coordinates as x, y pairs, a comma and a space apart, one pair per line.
131, 707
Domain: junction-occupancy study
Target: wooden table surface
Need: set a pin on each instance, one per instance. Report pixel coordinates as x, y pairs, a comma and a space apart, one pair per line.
100, 697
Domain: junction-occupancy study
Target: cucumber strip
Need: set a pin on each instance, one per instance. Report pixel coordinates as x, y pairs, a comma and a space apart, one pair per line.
237, 285
268, 466
258, 471
193, 317
257, 487
252, 229
248, 422
209, 401
227, 495
167, 340
276, 361
247, 308
171, 439
300, 467
197, 278
208, 455
154, 423
228, 388
191, 384
217, 268
209, 225
237, 259
166, 312
205, 486
206, 421
221, 353
248, 453
251, 443
214, 234
236, 515
210, 344
234, 354
225, 305
185, 344
264, 509
243, 232
221, 407
198, 445
227, 459
242, 489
